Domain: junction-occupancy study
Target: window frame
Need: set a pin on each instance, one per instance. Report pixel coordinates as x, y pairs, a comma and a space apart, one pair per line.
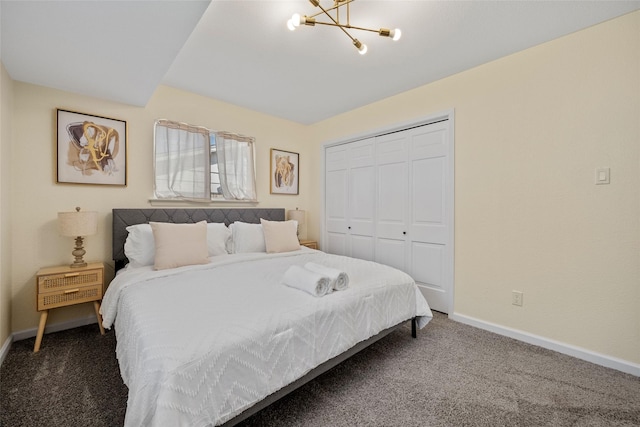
213, 197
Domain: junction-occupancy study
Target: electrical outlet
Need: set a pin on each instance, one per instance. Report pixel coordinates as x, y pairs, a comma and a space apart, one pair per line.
602, 176
516, 298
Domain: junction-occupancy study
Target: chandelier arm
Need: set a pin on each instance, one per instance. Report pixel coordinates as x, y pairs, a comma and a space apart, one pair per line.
348, 13
348, 35
330, 8
328, 14
342, 27
337, 24
351, 27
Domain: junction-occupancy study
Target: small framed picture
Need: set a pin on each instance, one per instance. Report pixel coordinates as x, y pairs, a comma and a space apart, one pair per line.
285, 172
91, 149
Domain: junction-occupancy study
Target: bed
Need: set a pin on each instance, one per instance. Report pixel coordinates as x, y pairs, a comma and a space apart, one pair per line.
214, 342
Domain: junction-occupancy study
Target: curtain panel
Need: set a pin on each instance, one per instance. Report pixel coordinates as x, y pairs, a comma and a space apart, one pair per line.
236, 166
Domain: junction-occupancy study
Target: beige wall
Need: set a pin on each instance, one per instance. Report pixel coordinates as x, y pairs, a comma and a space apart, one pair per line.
37, 198
530, 129
6, 89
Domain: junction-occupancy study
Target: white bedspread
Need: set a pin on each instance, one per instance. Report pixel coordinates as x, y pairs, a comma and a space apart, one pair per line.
198, 345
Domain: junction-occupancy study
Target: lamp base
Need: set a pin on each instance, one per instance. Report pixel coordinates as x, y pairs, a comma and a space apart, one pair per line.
78, 252
78, 264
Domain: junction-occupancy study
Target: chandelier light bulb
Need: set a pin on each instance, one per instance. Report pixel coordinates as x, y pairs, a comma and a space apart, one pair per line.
290, 25
395, 34
362, 48
295, 19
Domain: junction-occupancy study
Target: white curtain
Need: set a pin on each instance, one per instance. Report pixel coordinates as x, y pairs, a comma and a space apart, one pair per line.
181, 161
236, 166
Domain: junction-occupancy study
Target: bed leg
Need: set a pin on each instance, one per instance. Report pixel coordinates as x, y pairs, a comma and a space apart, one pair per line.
414, 323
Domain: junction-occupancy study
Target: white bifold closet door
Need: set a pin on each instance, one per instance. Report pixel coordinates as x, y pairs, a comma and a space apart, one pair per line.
412, 226
350, 199
387, 199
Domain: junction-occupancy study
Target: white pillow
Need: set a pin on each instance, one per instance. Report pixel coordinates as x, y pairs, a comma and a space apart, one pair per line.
280, 236
218, 235
178, 245
247, 237
140, 247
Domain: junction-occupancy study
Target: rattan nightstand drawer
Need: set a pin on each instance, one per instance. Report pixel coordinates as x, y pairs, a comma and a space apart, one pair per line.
65, 281
68, 285
69, 296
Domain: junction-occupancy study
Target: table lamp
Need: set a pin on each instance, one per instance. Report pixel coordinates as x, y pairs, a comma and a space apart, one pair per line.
78, 224
300, 216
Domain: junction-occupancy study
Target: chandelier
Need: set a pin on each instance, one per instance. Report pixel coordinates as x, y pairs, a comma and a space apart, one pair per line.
297, 20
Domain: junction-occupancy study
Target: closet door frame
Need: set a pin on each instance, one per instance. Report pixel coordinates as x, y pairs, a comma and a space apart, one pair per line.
450, 186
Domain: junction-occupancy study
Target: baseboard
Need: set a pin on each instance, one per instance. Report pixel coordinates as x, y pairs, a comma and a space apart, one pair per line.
55, 327
5, 349
560, 347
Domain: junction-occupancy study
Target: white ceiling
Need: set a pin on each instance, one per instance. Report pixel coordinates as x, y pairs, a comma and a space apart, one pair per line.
241, 52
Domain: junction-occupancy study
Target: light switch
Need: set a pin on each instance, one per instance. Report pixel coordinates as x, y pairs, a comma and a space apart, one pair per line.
602, 175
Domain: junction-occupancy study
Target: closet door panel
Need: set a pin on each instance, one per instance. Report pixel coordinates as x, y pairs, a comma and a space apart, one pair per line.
362, 153
392, 199
336, 201
350, 199
361, 195
428, 222
429, 141
362, 247
361, 212
336, 189
391, 202
428, 265
429, 226
336, 243
337, 158
361, 200
391, 252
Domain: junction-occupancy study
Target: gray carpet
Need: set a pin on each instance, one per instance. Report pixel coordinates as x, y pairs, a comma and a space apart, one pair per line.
451, 375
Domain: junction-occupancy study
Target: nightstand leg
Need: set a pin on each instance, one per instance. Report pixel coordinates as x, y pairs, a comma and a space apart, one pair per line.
43, 322
97, 307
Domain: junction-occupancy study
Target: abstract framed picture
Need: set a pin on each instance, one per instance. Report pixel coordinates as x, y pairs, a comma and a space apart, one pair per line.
285, 172
91, 149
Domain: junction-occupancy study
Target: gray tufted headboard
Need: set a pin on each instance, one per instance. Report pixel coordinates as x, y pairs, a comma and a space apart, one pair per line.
122, 218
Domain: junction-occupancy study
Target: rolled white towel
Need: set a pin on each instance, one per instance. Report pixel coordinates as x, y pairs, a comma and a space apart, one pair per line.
339, 279
309, 281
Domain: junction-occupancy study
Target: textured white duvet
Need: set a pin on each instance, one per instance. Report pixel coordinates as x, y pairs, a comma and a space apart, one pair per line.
198, 345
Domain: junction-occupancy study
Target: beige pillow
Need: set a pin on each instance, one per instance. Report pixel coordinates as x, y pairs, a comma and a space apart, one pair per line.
280, 236
178, 245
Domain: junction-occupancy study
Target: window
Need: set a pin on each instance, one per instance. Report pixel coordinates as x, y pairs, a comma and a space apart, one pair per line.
196, 163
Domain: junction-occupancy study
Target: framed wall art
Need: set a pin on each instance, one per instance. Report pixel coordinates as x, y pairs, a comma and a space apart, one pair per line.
285, 172
91, 149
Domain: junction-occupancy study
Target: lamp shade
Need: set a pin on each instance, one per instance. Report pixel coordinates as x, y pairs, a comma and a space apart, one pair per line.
300, 216
74, 224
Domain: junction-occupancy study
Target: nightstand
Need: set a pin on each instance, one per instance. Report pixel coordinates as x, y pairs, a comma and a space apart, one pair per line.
313, 244
63, 286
